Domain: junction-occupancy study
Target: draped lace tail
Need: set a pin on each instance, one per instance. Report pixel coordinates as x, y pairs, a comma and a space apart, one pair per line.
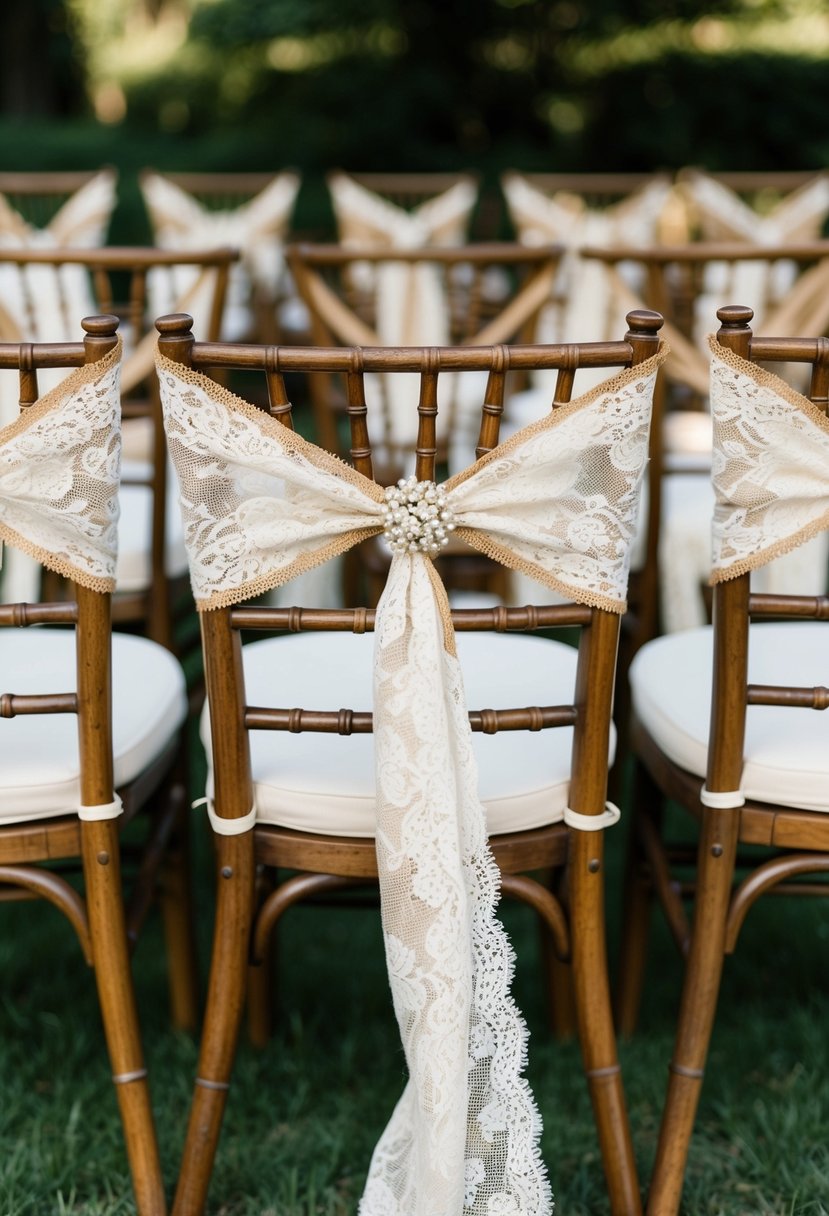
464, 1135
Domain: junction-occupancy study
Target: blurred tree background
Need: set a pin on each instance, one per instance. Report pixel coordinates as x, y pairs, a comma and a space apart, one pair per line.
414, 84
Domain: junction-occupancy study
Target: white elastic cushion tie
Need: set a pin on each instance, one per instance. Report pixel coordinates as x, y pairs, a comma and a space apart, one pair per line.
721, 800
593, 823
223, 826
107, 810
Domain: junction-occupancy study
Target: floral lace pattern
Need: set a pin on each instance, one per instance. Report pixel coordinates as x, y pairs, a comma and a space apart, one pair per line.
59, 473
558, 499
771, 453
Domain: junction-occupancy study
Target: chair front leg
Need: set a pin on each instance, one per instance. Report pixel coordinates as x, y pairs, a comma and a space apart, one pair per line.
110, 956
595, 1021
225, 1002
715, 869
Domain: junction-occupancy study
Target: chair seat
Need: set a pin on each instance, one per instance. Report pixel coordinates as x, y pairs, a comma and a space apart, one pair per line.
786, 750
325, 783
39, 765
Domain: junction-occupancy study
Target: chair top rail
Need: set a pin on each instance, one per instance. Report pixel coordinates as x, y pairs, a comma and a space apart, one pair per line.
481, 252
411, 182
705, 251
230, 183
46, 181
412, 358
591, 183
120, 257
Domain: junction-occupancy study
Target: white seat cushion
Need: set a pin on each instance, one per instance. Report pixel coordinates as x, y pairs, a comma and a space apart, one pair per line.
325, 783
786, 750
39, 765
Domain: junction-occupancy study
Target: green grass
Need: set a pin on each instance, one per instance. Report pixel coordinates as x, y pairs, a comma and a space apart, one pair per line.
303, 1115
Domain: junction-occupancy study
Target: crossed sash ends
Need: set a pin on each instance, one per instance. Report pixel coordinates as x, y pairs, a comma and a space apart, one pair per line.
559, 501
771, 449
60, 465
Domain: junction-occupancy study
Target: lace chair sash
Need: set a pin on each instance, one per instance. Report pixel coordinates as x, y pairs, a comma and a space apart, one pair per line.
559, 499
59, 473
771, 454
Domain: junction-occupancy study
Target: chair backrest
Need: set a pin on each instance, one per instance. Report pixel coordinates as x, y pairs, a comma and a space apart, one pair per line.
476, 295
221, 625
248, 211
408, 190
762, 208
68, 523
770, 444
58, 208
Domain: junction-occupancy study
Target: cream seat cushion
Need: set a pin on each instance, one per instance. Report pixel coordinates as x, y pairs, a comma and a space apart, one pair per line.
786, 751
325, 783
39, 765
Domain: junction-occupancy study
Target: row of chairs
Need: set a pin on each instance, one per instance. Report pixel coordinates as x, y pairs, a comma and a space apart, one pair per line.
263, 505
605, 265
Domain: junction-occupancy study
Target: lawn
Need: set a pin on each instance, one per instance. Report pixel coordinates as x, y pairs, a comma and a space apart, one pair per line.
304, 1114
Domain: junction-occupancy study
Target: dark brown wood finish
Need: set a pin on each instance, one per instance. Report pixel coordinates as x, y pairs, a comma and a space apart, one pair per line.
726, 883
104, 928
249, 911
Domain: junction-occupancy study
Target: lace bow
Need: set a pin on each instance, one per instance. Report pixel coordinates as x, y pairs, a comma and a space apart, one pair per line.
771, 454
559, 501
59, 473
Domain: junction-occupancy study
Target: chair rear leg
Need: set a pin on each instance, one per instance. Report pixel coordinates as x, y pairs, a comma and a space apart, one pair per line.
595, 1020
179, 935
225, 1002
636, 905
108, 935
715, 865
261, 976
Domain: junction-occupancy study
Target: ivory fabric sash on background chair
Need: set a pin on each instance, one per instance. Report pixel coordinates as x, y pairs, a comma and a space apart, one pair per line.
257, 227
411, 302
59, 809
559, 501
724, 716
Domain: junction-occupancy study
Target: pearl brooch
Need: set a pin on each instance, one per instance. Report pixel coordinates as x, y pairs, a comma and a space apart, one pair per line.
416, 516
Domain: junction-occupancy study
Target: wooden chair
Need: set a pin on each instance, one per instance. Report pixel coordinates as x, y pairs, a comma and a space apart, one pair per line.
325, 831
759, 773
38, 299
250, 212
65, 789
37, 196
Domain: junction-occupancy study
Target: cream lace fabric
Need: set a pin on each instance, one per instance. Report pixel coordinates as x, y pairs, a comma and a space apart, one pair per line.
771, 455
558, 500
59, 474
